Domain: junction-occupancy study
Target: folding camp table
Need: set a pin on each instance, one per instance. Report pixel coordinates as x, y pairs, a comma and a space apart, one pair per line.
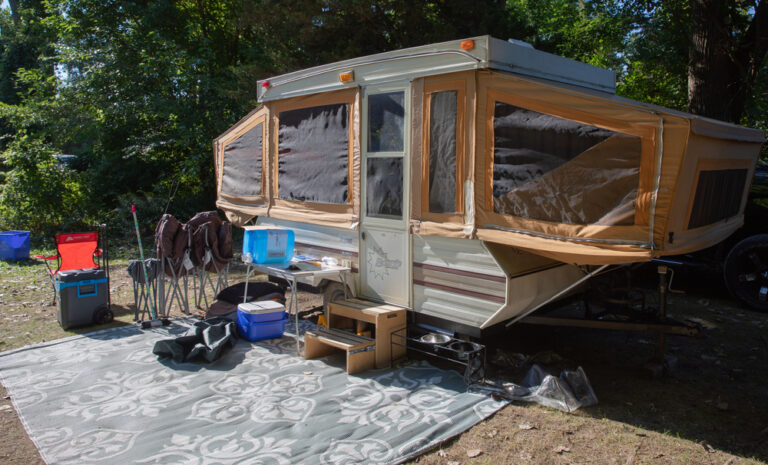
293, 276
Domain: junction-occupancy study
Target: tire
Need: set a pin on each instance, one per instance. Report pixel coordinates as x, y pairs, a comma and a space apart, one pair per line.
332, 292
746, 272
103, 315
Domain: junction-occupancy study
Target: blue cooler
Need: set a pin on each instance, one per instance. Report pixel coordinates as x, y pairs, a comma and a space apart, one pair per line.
261, 320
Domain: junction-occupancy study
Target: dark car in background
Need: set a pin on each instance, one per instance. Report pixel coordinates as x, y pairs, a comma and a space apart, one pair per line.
745, 254
740, 261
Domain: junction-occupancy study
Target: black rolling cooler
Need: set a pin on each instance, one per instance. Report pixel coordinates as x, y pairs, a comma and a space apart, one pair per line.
83, 297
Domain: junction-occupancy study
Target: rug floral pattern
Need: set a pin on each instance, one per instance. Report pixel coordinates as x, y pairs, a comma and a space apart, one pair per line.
104, 398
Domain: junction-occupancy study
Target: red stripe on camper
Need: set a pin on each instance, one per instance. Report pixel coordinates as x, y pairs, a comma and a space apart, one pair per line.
470, 274
455, 290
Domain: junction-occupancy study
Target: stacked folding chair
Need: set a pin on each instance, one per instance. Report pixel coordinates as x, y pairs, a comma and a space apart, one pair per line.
202, 249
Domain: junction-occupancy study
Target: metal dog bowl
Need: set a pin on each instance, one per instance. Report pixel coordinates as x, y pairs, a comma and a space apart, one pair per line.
463, 349
435, 338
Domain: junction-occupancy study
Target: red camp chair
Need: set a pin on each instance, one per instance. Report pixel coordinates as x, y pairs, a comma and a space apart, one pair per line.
75, 251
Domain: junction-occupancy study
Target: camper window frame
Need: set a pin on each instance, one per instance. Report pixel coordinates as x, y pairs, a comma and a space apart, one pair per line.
258, 116
718, 164
430, 88
348, 97
495, 87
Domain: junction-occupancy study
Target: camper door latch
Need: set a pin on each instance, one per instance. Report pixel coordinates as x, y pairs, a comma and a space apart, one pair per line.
362, 235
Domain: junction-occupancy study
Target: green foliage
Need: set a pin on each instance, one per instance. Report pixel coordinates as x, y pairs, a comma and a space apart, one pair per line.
590, 31
656, 51
39, 191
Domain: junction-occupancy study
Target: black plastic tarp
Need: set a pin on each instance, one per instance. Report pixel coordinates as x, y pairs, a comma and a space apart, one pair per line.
205, 341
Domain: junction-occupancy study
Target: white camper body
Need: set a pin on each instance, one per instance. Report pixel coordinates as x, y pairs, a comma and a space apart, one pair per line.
485, 246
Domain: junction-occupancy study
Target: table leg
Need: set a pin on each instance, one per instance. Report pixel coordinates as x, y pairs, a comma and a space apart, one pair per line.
247, 274
295, 304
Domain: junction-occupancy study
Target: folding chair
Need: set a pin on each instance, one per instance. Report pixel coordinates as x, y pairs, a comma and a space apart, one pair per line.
76, 251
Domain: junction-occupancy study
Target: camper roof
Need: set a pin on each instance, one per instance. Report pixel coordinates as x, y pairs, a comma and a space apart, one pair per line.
486, 52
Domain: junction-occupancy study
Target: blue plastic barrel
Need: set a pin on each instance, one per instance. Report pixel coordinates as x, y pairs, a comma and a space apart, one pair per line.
14, 245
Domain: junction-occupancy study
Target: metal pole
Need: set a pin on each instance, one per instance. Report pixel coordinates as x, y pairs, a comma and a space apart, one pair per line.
662, 312
161, 288
556, 296
295, 303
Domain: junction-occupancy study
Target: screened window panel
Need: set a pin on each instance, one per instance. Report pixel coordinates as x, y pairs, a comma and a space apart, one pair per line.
442, 151
384, 192
553, 169
313, 154
718, 196
386, 118
241, 173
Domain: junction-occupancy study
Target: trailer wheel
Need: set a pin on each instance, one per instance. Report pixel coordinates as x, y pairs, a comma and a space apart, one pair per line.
103, 315
746, 272
332, 292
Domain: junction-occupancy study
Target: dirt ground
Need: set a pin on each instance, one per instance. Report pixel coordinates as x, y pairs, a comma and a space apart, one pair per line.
711, 409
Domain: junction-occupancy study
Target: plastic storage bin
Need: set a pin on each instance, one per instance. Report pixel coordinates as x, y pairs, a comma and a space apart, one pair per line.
268, 244
82, 293
261, 320
14, 245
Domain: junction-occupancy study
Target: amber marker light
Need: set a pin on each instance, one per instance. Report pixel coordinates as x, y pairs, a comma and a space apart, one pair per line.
467, 44
346, 77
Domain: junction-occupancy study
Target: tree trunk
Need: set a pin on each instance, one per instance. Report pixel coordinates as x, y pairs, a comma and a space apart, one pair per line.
723, 66
14, 4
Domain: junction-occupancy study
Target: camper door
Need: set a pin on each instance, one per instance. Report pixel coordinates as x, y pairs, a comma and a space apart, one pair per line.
384, 240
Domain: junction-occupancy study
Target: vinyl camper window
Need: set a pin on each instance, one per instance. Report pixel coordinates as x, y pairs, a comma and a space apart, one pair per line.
313, 150
243, 159
384, 161
720, 186
558, 170
444, 147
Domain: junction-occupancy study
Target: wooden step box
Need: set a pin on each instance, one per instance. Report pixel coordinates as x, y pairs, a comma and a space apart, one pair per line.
382, 319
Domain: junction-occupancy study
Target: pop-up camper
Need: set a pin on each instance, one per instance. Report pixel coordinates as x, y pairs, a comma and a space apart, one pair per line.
472, 181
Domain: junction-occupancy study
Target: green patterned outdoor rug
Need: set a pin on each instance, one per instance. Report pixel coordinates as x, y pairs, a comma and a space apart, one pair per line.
104, 398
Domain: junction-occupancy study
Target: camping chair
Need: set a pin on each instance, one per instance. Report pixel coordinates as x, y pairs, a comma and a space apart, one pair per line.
212, 263
77, 251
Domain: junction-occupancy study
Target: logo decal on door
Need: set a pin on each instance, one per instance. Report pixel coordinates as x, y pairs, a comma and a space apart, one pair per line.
379, 264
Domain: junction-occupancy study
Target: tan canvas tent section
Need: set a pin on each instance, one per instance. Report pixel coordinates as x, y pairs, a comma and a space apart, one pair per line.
342, 211
601, 205
293, 157
242, 162
716, 175
443, 138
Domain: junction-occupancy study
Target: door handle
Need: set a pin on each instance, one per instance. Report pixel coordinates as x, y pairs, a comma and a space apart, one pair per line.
362, 235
